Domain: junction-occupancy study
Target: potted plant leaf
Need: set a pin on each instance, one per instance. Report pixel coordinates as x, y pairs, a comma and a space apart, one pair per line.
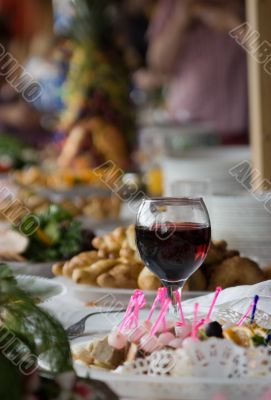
26, 333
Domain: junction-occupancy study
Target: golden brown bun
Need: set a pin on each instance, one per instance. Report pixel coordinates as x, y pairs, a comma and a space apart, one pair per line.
118, 277
110, 242
235, 271
80, 261
82, 276
57, 268
100, 267
147, 280
216, 252
130, 235
197, 282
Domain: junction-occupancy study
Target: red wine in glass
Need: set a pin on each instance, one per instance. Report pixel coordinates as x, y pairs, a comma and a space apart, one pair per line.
173, 251
173, 236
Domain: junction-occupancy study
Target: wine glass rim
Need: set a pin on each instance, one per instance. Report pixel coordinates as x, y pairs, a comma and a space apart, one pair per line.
174, 199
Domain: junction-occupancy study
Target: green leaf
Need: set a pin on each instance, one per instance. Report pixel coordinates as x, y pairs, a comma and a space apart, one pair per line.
5, 271
41, 332
92, 21
52, 231
36, 330
57, 213
64, 236
16, 150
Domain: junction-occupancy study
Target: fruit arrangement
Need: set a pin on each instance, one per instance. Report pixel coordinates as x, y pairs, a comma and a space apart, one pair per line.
98, 117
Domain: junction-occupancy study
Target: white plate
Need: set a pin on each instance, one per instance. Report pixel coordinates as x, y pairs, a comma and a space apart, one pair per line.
102, 297
162, 387
171, 388
43, 269
40, 288
193, 388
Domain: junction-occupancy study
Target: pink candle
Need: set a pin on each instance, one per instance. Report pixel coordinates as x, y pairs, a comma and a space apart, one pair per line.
194, 326
161, 295
201, 323
179, 302
137, 301
161, 315
245, 316
217, 292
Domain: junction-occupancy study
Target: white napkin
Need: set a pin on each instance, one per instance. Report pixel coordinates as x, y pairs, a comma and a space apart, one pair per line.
66, 309
237, 298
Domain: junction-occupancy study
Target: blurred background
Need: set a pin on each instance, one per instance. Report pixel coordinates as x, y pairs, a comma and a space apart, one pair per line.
124, 68
104, 103
158, 88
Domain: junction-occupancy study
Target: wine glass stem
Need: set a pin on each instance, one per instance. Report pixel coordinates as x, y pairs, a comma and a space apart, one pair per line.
175, 307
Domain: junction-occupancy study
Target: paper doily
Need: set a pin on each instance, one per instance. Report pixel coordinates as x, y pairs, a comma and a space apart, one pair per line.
216, 358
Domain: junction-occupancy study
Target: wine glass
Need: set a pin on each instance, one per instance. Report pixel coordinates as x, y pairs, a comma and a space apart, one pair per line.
173, 236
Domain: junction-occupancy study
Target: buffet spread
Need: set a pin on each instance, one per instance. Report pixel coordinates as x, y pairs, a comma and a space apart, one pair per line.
106, 291
210, 347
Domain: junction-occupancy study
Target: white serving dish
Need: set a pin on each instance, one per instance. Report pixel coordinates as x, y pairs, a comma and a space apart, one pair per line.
43, 269
184, 388
40, 288
103, 296
181, 388
174, 388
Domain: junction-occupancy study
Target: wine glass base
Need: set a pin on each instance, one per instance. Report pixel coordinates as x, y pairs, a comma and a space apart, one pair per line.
173, 285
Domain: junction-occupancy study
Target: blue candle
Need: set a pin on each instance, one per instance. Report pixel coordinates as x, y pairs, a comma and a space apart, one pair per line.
256, 299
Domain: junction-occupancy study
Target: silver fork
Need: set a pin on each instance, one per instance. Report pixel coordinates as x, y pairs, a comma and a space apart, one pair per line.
78, 328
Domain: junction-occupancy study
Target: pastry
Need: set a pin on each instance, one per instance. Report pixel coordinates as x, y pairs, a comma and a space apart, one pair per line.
235, 271
147, 280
